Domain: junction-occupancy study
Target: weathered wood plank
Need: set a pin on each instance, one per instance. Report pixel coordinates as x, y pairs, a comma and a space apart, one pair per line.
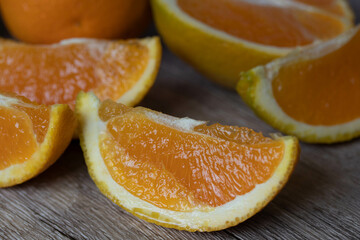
63, 203
321, 200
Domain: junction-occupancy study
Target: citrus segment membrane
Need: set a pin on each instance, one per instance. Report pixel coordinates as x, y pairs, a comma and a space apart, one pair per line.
240, 135
324, 90
39, 116
184, 169
50, 74
272, 23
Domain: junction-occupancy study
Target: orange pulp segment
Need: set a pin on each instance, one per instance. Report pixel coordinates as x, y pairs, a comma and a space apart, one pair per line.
268, 24
23, 126
324, 90
50, 74
180, 170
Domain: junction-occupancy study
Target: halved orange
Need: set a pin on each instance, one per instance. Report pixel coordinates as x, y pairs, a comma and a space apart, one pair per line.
221, 38
32, 137
181, 173
48, 74
313, 94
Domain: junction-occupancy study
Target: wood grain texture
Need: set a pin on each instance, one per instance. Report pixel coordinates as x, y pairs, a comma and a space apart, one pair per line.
321, 200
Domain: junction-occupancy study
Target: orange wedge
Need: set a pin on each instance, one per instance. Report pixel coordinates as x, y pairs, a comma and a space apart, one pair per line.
221, 38
32, 137
313, 94
181, 173
48, 74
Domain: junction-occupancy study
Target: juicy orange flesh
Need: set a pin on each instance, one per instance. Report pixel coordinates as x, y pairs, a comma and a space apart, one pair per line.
322, 91
18, 142
264, 24
23, 126
56, 74
180, 170
109, 109
328, 5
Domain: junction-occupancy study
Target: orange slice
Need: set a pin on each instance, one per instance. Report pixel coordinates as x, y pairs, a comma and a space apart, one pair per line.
32, 137
181, 173
313, 94
223, 38
48, 74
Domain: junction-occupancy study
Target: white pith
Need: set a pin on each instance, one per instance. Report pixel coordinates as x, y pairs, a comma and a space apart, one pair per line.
265, 100
291, 4
173, 8
6, 101
237, 210
130, 97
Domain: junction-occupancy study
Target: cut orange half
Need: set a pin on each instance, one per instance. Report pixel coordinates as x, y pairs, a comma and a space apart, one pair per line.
313, 94
48, 74
181, 173
32, 137
221, 38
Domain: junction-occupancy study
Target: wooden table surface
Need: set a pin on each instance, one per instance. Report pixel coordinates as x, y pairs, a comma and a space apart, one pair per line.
321, 200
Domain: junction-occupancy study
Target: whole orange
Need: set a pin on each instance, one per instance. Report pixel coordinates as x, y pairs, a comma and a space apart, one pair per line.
44, 21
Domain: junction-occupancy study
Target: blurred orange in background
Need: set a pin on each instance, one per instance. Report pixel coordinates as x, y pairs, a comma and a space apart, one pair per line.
44, 21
